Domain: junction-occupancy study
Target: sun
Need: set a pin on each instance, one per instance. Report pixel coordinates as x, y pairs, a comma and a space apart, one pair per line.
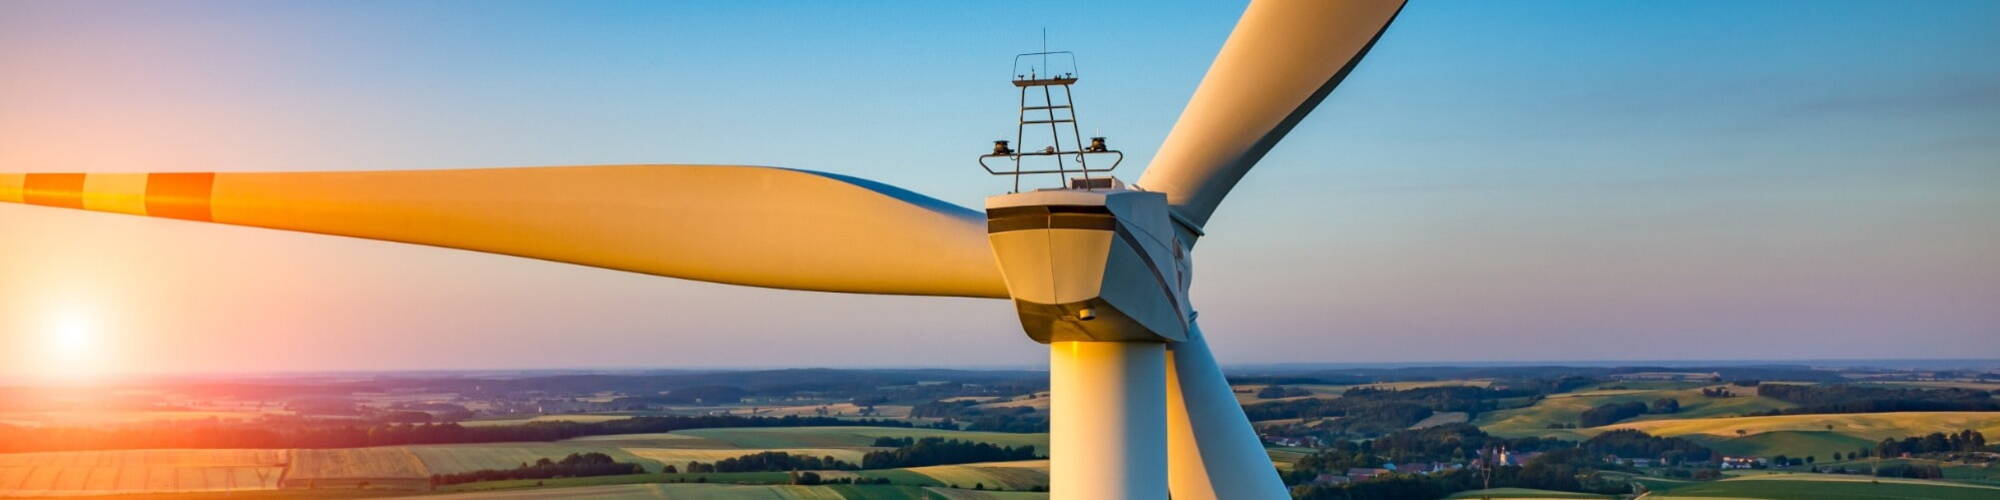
70, 335
70, 340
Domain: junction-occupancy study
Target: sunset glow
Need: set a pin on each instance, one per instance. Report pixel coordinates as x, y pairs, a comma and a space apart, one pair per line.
71, 338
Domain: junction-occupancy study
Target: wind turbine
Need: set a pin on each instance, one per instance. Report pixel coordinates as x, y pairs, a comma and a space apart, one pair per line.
1138, 405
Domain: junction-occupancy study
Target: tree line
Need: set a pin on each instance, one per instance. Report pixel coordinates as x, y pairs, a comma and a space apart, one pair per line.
574, 465
1849, 398
1936, 442
1631, 443
940, 451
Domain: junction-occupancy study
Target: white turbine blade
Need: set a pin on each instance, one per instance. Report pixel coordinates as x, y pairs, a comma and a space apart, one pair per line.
1282, 59
756, 226
1212, 451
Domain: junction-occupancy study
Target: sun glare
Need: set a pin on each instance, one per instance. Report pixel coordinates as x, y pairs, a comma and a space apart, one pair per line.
70, 337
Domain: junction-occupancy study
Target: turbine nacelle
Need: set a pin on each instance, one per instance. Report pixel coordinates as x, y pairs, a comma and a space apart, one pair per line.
1091, 265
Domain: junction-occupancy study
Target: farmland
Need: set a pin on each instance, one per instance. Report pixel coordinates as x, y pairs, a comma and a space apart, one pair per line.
994, 475
715, 430
1825, 487
684, 491
1870, 426
140, 471
1521, 494
1566, 408
409, 467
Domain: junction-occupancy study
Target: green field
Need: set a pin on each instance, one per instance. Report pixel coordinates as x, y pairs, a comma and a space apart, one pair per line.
1819, 444
1521, 493
1825, 487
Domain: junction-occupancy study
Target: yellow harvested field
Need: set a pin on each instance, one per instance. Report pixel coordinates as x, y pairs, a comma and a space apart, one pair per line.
139, 471
1873, 426
388, 462
679, 457
1040, 401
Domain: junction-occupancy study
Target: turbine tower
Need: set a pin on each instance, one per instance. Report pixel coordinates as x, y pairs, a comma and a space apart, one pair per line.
1098, 271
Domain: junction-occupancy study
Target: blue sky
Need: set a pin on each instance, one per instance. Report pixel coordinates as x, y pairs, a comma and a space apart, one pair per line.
1499, 181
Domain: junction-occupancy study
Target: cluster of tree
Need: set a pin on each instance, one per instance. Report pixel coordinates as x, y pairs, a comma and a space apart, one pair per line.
1285, 380
1020, 419
1023, 422
1849, 398
1666, 405
811, 478
574, 465
771, 461
322, 435
1630, 443
1276, 391
1549, 385
1910, 470
941, 451
1717, 392
1936, 442
1608, 414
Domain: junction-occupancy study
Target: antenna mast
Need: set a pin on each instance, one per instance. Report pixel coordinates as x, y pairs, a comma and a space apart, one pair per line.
1071, 156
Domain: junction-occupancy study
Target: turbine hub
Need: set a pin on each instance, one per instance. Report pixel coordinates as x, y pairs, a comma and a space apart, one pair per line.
1098, 264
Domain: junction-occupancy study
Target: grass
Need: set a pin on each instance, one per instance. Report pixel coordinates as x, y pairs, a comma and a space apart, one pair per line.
1521, 493
1440, 418
1825, 487
1819, 444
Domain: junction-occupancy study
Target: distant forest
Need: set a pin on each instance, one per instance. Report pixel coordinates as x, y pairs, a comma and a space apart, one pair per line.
1848, 398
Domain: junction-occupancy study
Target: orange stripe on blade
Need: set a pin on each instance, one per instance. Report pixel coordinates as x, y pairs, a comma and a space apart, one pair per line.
180, 196
54, 190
